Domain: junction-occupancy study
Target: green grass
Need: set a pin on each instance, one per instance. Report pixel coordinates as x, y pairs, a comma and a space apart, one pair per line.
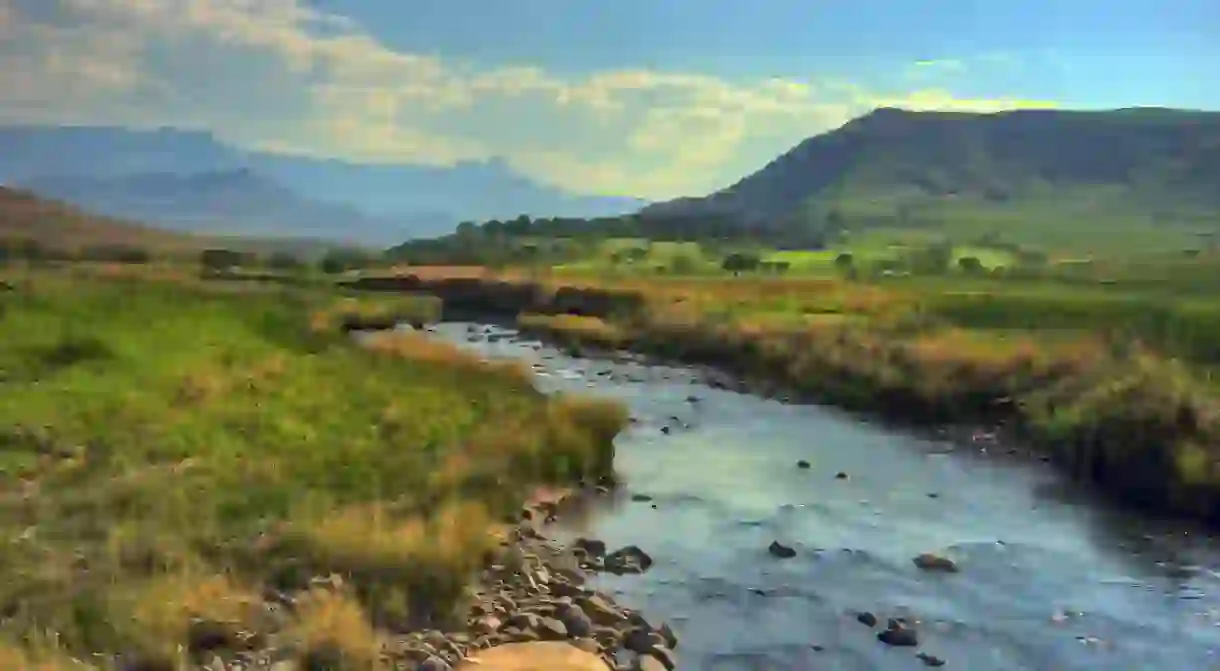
170, 449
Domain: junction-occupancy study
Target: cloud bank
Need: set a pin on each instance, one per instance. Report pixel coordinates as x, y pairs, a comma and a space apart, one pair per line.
276, 74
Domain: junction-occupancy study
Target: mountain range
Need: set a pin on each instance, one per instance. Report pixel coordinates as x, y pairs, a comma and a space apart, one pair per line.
1040, 168
188, 180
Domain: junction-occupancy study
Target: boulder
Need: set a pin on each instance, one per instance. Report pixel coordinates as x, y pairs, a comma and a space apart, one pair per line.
630, 559
549, 655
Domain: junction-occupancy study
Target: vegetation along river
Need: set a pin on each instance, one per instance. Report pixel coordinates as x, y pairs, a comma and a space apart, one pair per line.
1047, 578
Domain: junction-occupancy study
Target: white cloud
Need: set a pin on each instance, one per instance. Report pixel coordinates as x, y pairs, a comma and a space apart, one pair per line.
278, 74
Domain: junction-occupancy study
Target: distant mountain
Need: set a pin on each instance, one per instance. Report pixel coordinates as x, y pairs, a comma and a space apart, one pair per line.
117, 169
237, 202
56, 225
896, 167
467, 191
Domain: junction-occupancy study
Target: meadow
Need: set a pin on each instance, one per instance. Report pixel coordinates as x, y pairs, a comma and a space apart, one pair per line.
174, 453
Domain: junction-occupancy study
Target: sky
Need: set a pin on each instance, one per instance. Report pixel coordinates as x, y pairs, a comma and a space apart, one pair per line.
646, 98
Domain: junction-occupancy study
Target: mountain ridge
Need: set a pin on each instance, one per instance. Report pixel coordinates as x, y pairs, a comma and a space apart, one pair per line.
1150, 160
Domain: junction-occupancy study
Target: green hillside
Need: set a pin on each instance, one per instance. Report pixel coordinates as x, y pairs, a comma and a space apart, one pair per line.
1057, 178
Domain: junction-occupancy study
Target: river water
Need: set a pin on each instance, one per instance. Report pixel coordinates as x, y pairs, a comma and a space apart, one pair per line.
1049, 579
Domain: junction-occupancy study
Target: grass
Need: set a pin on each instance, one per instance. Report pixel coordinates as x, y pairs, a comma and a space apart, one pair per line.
172, 449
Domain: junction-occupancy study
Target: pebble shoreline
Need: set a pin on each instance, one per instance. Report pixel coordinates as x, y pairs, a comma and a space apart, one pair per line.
535, 591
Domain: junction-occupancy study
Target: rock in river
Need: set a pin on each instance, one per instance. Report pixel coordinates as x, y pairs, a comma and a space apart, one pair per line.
932, 562
781, 551
898, 635
630, 559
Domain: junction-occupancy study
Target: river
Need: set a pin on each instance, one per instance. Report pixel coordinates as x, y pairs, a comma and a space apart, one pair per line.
1049, 578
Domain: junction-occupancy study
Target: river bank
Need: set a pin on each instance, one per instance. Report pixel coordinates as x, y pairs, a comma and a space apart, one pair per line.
210, 475
1112, 414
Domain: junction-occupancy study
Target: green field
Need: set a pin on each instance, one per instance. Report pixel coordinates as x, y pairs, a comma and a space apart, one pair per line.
172, 450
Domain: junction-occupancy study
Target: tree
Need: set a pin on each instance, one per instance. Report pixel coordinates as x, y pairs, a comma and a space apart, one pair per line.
739, 261
971, 265
221, 259
341, 260
519, 226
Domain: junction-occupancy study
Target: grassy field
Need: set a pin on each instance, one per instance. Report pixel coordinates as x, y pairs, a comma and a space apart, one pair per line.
173, 451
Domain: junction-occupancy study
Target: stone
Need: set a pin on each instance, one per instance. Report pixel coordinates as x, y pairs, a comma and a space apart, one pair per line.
932, 562
898, 635
780, 550
866, 618
667, 633
591, 546
628, 560
840, 476
548, 655
551, 629
434, 664
803, 464
574, 618
589, 645
664, 655
930, 660
641, 640
641, 498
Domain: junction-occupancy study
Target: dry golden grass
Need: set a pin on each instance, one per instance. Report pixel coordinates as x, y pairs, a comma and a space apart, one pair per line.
578, 329
14, 658
157, 616
332, 627
420, 349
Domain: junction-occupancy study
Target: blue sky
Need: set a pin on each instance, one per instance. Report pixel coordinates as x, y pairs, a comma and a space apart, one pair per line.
653, 98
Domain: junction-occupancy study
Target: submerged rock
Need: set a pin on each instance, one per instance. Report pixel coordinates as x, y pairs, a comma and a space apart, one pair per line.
930, 660
778, 549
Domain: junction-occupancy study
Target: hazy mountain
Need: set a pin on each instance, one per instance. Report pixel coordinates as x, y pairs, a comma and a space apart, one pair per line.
232, 202
897, 166
56, 225
119, 171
